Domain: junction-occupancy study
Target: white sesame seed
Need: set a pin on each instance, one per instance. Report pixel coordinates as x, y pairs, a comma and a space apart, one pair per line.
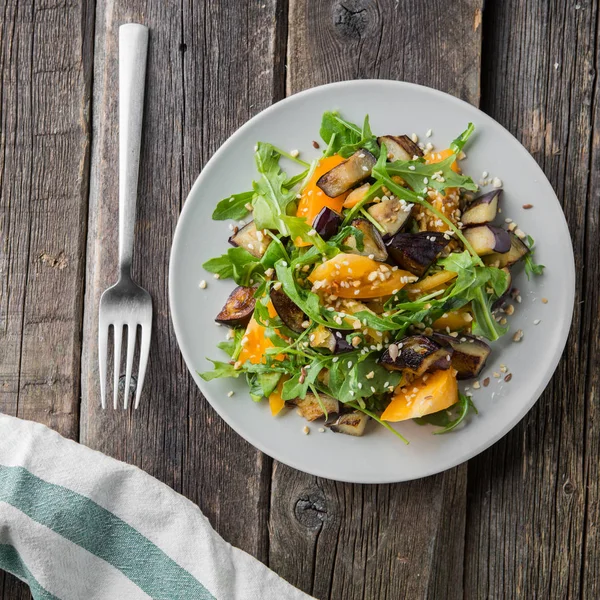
277, 285
414, 137
537, 321
411, 167
216, 276
335, 359
321, 430
202, 284
497, 182
484, 175
230, 393
305, 430
429, 132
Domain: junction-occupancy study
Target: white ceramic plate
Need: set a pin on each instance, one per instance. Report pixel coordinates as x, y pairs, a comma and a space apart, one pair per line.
378, 457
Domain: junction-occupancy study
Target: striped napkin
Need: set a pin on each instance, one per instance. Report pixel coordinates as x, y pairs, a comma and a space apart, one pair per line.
75, 524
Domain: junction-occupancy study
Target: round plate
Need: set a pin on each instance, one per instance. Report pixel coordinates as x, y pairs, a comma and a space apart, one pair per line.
378, 456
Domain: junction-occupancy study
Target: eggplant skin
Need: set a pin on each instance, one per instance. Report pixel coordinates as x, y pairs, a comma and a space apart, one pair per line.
487, 239
239, 307
373, 244
287, 311
327, 223
469, 353
418, 354
399, 147
416, 252
346, 175
517, 251
482, 210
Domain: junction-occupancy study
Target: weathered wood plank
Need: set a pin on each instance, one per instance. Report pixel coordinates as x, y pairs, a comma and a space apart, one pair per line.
44, 159
210, 68
349, 541
533, 497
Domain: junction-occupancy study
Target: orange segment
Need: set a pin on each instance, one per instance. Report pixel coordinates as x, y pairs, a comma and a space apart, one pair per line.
314, 199
276, 402
431, 283
437, 157
430, 393
257, 343
354, 276
455, 320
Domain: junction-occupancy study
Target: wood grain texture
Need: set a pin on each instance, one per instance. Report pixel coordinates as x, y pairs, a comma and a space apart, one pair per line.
345, 541
210, 68
44, 164
533, 497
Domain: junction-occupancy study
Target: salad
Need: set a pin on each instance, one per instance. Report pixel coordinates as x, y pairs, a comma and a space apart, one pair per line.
368, 283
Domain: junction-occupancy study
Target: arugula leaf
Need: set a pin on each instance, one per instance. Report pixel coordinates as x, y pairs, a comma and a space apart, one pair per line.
294, 388
232, 346
221, 369
442, 418
531, 267
464, 404
268, 382
233, 207
471, 285
237, 263
309, 302
459, 143
272, 198
345, 138
299, 228
419, 176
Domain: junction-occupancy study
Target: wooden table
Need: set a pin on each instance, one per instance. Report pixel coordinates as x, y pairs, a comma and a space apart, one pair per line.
518, 521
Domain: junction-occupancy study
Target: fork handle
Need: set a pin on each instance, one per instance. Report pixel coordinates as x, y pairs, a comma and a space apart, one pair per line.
133, 49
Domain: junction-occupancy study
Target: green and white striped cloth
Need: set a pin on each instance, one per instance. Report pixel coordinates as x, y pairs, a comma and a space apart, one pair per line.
77, 525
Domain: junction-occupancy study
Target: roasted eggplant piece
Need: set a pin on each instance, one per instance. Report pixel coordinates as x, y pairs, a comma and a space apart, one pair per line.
487, 239
373, 244
482, 210
346, 175
469, 353
249, 238
331, 339
517, 251
415, 252
327, 223
399, 147
287, 311
239, 307
352, 423
416, 354
311, 409
392, 214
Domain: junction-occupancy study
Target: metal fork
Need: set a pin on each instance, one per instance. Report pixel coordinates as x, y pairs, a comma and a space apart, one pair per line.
126, 304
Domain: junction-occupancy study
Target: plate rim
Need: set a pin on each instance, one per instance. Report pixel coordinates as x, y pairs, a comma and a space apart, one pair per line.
477, 448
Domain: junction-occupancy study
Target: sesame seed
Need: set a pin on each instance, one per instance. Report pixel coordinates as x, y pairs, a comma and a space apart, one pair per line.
497, 182
484, 175
202, 284
365, 168
373, 389
414, 137
248, 206
305, 430
335, 359
429, 132
230, 393
216, 276
527, 206
476, 385
537, 321
349, 364
411, 167
518, 335
496, 374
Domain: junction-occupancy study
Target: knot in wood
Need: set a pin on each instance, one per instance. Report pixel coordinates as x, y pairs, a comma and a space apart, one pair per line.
351, 18
568, 488
311, 509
